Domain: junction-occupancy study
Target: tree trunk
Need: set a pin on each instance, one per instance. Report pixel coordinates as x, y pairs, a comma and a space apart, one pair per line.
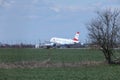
107, 54
109, 58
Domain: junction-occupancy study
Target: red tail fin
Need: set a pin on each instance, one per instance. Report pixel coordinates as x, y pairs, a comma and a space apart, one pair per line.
76, 38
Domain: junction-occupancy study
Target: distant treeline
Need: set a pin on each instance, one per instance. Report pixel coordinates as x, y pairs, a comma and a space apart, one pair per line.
17, 46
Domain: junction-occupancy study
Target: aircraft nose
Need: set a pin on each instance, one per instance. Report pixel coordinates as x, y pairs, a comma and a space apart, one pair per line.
51, 40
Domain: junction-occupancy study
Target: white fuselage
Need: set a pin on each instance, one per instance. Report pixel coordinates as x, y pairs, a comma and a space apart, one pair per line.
62, 41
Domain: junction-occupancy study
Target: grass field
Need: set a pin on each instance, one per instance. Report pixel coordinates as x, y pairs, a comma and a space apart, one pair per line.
84, 73
56, 55
98, 72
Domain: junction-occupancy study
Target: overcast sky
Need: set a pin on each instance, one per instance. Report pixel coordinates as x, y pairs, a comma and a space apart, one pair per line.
29, 21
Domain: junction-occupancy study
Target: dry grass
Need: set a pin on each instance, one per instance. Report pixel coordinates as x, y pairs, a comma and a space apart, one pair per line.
48, 63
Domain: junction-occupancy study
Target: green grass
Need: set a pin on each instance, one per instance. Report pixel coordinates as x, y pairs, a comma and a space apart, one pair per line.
83, 73
56, 55
98, 72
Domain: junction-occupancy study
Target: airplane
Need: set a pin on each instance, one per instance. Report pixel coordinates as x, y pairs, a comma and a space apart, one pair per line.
55, 41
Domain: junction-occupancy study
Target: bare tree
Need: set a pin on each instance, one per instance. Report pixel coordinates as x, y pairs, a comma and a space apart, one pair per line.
105, 32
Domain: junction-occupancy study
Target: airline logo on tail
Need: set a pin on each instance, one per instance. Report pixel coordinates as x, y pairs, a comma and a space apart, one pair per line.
76, 38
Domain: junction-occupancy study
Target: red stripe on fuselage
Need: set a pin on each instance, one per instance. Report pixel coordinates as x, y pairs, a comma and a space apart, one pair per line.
75, 39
